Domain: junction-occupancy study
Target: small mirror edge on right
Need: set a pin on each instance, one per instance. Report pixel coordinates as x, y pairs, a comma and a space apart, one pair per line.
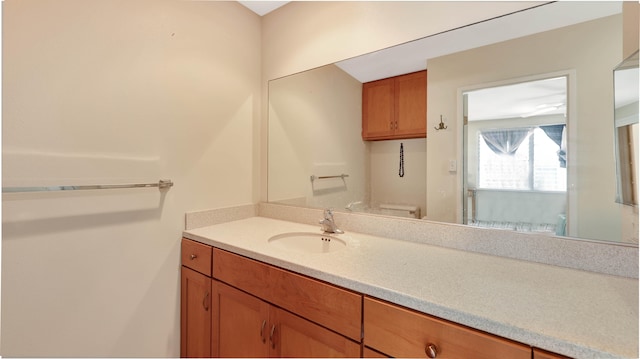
626, 85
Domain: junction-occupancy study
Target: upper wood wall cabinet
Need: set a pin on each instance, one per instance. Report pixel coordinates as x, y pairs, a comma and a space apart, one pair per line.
395, 108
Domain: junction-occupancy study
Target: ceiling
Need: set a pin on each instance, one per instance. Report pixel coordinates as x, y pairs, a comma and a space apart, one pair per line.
522, 100
527, 99
262, 7
413, 56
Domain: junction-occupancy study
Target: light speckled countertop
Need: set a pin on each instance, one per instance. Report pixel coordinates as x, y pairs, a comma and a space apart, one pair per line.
567, 311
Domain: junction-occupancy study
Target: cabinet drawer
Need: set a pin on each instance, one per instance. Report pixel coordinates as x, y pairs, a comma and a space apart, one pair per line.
196, 256
332, 307
246, 274
335, 308
401, 332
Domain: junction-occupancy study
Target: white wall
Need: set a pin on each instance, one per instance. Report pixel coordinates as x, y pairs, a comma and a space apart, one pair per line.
315, 129
114, 92
592, 49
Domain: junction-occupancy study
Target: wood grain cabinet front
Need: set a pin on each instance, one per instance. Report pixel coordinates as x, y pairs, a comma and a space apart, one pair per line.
233, 306
195, 314
196, 256
400, 332
335, 308
543, 354
395, 107
246, 326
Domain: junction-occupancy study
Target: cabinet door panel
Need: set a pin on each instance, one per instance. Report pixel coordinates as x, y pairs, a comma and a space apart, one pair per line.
241, 322
195, 314
377, 109
401, 332
543, 354
411, 105
330, 306
370, 353
300, 338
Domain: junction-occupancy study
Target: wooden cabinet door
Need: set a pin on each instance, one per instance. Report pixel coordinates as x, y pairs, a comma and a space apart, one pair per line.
296, 337
411, 105
395, 107
195, 314
245, 326
378, 109
335, 308
370, 353
543, 354
241, 325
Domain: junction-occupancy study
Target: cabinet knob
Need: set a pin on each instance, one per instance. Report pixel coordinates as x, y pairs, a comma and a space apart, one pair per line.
431, 350
193, 256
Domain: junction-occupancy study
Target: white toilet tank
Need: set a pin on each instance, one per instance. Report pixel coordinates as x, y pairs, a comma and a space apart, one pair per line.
400, 210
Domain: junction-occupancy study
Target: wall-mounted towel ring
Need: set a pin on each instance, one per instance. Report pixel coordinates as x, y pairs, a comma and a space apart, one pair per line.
441, 125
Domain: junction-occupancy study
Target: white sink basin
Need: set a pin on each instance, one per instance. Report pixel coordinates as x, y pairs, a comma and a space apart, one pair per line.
308, 242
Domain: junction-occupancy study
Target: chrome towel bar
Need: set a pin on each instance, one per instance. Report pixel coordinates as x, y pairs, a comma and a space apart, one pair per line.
314, 177
160, 184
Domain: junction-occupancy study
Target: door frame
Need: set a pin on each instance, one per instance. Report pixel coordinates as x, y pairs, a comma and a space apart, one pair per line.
572, 128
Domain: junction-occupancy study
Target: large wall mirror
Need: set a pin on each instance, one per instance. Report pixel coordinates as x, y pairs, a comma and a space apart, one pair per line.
318, 159
625, 79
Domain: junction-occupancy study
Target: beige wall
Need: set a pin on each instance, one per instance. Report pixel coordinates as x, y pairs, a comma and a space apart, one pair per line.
631, 21
315, 125
113, 92
592, 49
330, 31
315, 129
386, 185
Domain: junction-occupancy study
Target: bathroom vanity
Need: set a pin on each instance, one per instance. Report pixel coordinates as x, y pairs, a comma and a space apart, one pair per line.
372, 296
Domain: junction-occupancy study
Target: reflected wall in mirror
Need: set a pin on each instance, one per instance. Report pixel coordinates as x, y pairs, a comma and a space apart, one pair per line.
315, 130
626, 84
315, 119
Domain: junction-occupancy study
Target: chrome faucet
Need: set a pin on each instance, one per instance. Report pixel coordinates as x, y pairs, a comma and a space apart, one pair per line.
327, 224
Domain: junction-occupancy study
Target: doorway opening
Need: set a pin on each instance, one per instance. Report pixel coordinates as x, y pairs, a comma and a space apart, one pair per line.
515, 156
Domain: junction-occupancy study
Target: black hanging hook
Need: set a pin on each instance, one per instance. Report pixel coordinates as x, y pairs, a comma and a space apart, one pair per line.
401, 169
